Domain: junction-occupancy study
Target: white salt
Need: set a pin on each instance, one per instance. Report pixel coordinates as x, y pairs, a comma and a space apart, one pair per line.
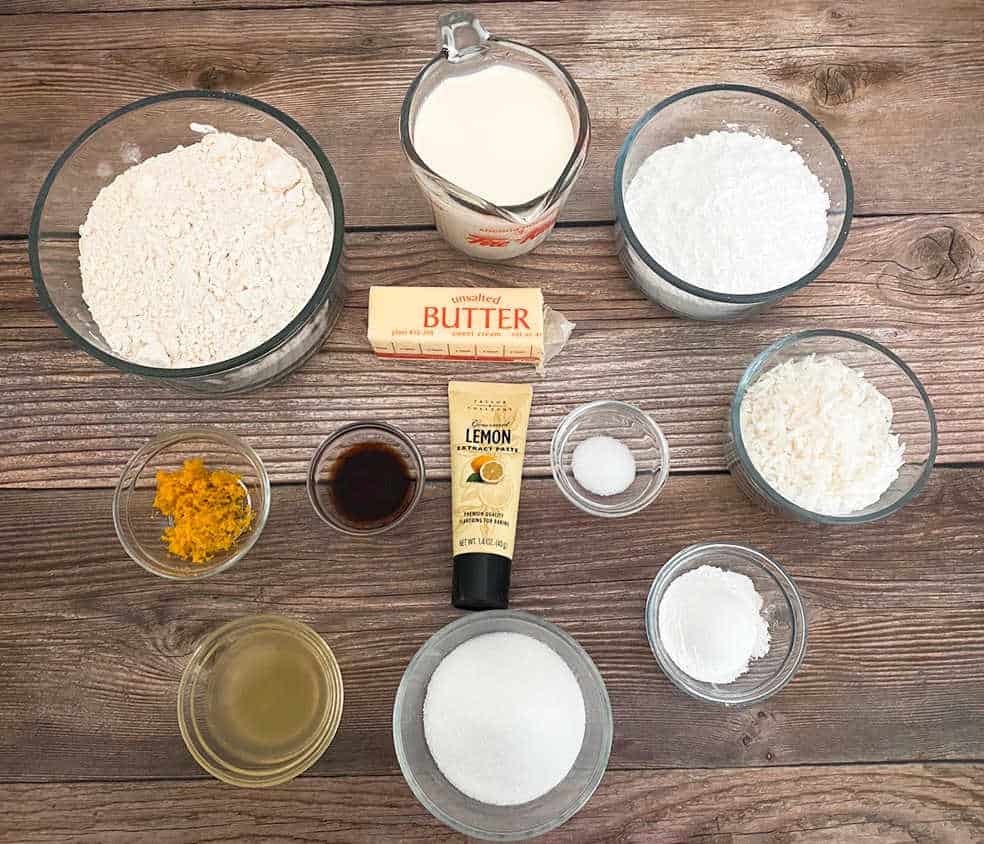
504, 718
711, 624
603, 465
730, 212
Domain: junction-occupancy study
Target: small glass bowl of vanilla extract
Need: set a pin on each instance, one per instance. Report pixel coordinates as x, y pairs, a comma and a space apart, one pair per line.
366, 478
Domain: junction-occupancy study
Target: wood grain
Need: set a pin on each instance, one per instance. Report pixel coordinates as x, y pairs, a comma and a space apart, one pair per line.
914, 283
873, 803
883, 84
92, 646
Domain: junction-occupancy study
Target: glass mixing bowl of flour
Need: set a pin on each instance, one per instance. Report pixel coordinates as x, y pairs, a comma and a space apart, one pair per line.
151, 127
751, 114
516, 822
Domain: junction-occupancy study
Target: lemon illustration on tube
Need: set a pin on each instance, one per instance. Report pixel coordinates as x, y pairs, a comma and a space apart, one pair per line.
491, 472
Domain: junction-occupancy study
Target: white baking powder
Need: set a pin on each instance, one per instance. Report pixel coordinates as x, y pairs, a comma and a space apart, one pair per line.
729, 212
202, 253
711, 624
504, 718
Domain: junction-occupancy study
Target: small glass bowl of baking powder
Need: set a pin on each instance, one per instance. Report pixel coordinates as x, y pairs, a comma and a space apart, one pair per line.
782, 609
730, 108
140, 526
628, 426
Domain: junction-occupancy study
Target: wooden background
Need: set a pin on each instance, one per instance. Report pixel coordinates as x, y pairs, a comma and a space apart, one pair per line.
879, 737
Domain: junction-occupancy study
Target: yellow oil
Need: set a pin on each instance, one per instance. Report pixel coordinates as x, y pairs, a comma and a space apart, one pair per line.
268, 695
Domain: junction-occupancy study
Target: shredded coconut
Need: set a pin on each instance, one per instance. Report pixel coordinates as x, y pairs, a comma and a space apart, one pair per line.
729, 212
203, 253
711, 624
821, 435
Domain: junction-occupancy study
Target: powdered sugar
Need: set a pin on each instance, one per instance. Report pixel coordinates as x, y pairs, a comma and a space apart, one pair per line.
711, 624
730, 212
821, 435
202, 253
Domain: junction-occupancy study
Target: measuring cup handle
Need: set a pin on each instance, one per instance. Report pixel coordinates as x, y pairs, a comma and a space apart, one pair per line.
460, 35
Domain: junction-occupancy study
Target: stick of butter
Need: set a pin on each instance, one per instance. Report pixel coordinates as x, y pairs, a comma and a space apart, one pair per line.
464, 323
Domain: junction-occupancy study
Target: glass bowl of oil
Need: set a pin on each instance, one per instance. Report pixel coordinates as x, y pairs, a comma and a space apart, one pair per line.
140, 526
260, 700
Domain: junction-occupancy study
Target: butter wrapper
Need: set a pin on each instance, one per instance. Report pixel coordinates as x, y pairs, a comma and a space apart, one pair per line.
464, 323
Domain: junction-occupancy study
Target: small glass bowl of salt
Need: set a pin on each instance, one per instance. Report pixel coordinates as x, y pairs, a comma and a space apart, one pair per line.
710, 601
609, 458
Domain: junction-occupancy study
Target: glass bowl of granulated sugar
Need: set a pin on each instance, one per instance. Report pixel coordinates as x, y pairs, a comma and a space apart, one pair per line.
193, 238
502, 725
729, 198
726, 624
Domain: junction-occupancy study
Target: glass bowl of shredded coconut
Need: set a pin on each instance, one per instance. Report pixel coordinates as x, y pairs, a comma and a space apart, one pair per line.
609, 458
726, 624
831, 427
502, 725
193, 238
727, 199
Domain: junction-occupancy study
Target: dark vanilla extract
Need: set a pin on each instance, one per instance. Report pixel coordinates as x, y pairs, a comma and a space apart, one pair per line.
372, 484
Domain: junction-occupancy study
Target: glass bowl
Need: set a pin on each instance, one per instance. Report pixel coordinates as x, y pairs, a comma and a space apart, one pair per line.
129, 135
139, 526
734, 108
321, 470
626, 423
245, 659
443, 800
781, 606
914, 421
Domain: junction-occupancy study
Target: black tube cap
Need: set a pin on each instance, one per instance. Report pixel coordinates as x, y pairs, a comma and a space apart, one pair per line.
481, 582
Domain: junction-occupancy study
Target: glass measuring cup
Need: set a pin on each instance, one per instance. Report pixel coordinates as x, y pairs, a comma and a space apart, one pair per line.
468, 222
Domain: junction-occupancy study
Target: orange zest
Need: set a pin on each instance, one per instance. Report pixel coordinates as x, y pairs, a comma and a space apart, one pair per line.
209, 510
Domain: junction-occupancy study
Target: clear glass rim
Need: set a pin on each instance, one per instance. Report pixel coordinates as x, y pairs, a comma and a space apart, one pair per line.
318, 298
734, 421
622, 220
798, 641
562, 434
315, 465
135, 465
607, 724
279, 774
567, 175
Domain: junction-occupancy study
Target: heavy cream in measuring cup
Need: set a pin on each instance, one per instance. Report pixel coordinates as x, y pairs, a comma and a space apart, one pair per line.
501, 133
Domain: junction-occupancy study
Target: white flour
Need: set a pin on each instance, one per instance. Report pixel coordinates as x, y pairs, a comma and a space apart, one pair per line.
202, 253
729, 212
711, 624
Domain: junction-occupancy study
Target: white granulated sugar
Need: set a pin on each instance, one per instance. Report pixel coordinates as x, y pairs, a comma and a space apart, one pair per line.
603, 465
821, 435
711, 624
202, 253
504, 718
730, 212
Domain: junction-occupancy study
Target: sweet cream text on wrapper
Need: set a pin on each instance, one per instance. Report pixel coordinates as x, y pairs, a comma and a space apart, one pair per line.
464, 323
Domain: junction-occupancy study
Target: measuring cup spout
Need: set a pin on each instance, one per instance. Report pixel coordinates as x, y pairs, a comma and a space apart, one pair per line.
461, 35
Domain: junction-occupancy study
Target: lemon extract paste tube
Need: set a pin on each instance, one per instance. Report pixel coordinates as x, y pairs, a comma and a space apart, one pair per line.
488, 442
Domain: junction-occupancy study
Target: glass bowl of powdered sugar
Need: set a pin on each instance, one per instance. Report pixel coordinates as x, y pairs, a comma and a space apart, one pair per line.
193, 238
502, 725
727, 199
726, 624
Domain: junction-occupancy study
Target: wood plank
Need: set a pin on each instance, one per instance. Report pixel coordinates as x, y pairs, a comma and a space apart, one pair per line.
916, 284
882, 83
93, 647
876, 803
